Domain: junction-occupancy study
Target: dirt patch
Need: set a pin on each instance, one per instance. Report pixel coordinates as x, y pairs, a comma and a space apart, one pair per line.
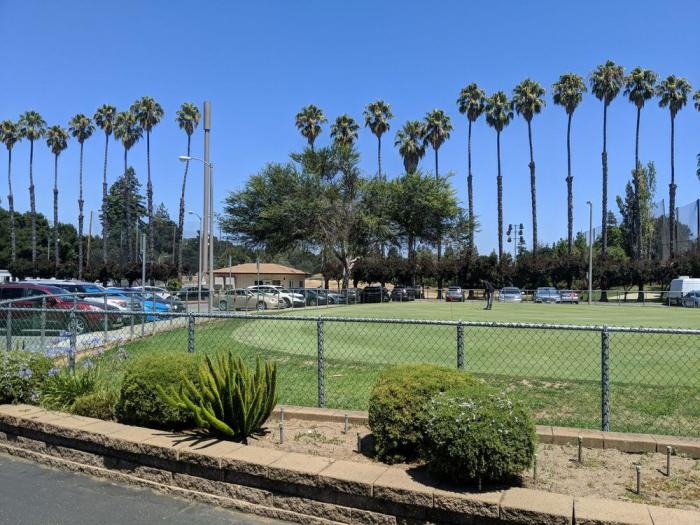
605, 473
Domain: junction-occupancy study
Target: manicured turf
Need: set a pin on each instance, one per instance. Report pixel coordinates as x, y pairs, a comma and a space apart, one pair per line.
655, 378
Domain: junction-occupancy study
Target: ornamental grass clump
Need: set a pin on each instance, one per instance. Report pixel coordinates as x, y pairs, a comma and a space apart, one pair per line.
231, 399
477, 434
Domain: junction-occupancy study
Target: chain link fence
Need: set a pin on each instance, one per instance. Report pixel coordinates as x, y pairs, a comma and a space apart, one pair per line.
613, 378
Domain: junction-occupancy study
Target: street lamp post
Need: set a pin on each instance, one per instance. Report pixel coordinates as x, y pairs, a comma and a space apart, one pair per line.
199, 269
590, 252
207, 253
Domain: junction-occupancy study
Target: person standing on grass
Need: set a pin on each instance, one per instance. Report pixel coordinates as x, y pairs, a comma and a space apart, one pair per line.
488, 287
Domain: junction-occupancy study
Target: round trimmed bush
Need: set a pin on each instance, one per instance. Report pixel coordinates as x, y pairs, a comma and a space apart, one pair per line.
140, 403
98, 404
396, 407
477, 434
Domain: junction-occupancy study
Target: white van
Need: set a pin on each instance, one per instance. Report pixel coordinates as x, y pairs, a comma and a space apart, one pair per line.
681, 286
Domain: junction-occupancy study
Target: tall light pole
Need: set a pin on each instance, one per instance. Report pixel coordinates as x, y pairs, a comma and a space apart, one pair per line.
590, 252
207, 225
199, 270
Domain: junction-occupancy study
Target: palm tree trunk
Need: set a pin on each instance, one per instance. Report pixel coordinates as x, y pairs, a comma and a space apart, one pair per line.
569, 190
32, 201
672, 193
149, 196
499, 196
55, 213
80, 216
181, 214
533, 188
379, 155
470, 191
636, 212
11, 206
604, 159
439, 236
104, 203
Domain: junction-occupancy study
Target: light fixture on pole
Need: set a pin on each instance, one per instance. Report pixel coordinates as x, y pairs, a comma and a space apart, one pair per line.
199, 269
590, 252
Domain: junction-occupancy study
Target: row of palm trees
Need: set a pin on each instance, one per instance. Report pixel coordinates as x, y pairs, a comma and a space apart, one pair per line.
528, 100
127, 127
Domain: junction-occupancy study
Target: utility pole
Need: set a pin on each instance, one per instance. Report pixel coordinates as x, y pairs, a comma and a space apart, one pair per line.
143, 261
206, 222
590, 252
89, 242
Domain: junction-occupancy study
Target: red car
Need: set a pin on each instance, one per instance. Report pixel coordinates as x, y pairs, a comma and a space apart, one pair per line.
569, 296
26, 295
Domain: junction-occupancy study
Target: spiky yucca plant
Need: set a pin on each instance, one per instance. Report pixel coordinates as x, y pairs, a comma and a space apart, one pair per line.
232, 400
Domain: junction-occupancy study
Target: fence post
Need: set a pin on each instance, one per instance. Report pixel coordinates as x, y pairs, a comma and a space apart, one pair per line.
73, 342
321, 363
42, 326
8, 328
190, 333
131, 309
106, 321
460, 346
605, 379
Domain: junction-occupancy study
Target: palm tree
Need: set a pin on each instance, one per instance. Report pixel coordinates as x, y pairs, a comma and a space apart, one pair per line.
309, 121
104, 118
471, 102
10, 134
128, 131
377, 116
498, 116
344, 130
32, 127
528, 101
57, 141
568, 92
639, 87
81, 128
673, 93
188, 119
409, 140
148, 114
696, 98
606, 82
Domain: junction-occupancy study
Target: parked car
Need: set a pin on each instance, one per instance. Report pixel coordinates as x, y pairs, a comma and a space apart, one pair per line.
58, 304
173, 304
375, 294
678, 288
160, 292
454, 293
568, 296
315, 296
691, 299
547, 294
190, 292
403, 293
289, 298
510, 294
246, 299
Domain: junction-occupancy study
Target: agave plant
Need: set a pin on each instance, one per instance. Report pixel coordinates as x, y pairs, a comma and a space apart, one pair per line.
232, 399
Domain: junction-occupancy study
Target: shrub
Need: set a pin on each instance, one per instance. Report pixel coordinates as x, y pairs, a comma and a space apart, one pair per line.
22, 376
64, 387
396, 403
140, 403
477, 433
98, 404
231, 400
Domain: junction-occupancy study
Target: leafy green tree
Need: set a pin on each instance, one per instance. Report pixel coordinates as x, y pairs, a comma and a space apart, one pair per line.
568, 92
81, 128
606, 81
528, 101
128, 131
187, 119
125, 207
57, 141
104, 119
344, 131
409, 140
10, 134
498, 116
471, 101
32, 127
308, 122
377, 116
673, 93
148, 114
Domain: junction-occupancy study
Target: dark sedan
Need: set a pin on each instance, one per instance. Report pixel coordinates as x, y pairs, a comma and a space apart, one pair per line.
375, 294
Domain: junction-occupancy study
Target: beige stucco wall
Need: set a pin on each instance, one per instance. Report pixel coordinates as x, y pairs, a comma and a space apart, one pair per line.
245, 280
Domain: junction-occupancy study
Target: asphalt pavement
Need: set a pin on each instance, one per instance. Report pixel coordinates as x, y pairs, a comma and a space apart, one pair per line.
31, 494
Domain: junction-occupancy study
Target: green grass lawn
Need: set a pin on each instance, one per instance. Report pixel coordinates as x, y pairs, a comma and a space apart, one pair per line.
655, 379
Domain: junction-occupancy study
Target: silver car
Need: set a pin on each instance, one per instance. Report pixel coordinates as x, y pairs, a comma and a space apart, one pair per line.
510, 295
246, 299
691, 299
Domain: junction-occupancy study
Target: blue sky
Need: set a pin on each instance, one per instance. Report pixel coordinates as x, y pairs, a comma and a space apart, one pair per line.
259, 62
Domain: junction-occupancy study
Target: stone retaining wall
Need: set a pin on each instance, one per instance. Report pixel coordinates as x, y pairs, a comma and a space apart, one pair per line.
287, 485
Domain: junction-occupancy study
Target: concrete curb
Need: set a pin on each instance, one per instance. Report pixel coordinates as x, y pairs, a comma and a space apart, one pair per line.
287, 485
